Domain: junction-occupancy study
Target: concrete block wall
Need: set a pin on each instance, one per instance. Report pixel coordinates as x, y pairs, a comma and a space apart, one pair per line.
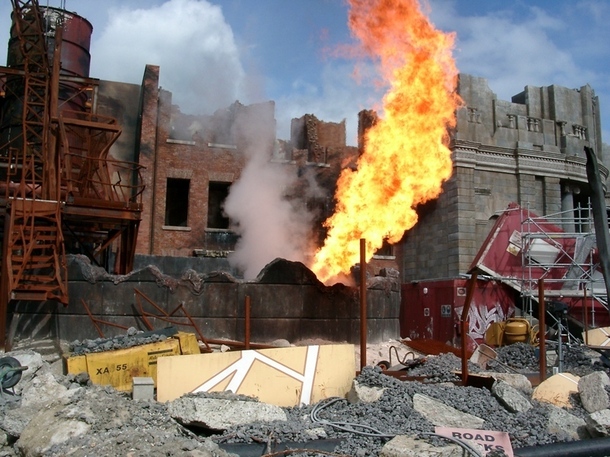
287, 302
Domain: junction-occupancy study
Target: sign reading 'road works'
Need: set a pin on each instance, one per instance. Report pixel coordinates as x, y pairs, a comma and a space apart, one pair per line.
484, 441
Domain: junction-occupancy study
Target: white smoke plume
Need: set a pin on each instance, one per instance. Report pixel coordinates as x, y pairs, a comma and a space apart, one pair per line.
270, 225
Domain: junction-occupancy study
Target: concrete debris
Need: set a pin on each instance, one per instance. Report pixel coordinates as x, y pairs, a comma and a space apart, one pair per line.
442, 415
592, 391
52, 427
510, 397
359, 393
598, 423
517, 380
228, 410
59, 415
566, 425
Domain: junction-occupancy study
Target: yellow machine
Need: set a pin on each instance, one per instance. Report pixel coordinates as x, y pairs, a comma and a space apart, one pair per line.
513, 330
117, 368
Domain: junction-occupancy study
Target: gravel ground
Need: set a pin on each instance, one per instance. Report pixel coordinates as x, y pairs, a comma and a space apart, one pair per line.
122, 427
393, 414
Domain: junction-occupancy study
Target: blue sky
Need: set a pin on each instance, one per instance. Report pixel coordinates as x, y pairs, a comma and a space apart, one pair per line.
213, 52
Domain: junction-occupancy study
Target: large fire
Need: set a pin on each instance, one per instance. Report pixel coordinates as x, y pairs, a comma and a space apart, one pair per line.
405, 158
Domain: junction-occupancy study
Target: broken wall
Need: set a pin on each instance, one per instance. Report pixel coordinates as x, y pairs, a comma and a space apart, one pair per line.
287, 302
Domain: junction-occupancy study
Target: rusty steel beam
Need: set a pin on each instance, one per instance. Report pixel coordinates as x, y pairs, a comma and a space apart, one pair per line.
464, 325
363, 322
168, 317
96, 321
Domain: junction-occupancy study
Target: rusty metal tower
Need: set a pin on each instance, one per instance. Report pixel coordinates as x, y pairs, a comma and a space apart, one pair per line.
59, 190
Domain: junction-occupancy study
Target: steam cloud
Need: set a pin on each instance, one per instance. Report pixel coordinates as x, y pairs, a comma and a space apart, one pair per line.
270, 224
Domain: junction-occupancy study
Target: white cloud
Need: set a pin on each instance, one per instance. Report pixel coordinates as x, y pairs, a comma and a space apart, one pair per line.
511, 55
339, 96
189, 40
526, 45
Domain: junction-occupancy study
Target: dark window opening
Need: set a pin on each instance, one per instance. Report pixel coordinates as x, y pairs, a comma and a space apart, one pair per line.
177, 202
386, 250
218, 193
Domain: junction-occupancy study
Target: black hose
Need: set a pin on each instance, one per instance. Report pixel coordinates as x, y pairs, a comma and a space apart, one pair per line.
599, 447
259, 449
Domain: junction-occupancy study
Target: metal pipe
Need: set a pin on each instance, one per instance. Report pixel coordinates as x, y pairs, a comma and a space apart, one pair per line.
464, 325
247, 323
362, 303
542, 329
586, 319
598, 447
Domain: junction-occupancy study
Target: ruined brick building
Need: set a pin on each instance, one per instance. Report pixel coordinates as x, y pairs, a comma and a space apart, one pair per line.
528, 150
189, 163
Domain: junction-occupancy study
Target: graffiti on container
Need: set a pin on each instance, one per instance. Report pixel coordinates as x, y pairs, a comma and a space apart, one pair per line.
480, 317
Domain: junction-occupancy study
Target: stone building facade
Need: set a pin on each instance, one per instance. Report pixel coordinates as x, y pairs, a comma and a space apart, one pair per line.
529, 151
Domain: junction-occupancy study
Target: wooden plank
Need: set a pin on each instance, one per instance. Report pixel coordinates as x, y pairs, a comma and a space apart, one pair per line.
280, 376
599, 337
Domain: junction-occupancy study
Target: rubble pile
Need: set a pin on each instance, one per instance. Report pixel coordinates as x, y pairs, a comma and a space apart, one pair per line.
132, 337
441, 368
57, 415
524, 358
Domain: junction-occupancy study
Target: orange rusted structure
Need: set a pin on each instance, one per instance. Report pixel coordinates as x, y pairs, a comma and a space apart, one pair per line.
59, 190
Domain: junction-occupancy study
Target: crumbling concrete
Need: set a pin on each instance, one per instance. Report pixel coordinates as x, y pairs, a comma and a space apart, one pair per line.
592, 391
223, 412
287, 302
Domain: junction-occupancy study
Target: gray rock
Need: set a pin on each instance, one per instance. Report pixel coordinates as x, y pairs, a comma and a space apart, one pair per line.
406, 446
44, 390
592, 390
518, 381
219, 414
444, 416
598, 423
364, 394
15, 420
510, 397
46, 430
566, 425
32, 360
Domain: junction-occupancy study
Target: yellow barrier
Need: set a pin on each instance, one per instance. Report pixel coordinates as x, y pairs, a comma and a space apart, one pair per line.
118, 367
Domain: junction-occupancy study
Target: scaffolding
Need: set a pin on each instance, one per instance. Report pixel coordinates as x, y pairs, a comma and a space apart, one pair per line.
560, 249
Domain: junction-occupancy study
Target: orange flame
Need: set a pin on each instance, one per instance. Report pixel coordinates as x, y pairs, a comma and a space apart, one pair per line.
405, 158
